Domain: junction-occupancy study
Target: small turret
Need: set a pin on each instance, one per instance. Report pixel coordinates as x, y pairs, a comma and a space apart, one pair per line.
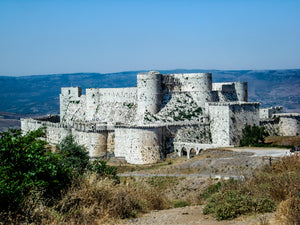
241, 89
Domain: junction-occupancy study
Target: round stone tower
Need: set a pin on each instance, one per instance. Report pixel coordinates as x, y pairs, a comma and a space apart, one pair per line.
241, 89
199, 85
148, 92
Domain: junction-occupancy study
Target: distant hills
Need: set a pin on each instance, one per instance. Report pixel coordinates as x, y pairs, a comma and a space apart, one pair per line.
39, 94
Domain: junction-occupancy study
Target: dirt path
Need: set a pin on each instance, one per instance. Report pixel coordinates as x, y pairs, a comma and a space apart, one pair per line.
263, 152
223, 164
190, 215
181, 175
195, 173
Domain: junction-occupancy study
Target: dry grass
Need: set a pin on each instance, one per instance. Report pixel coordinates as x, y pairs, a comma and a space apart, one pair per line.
288, 212
95, 200
283, 140
279, 183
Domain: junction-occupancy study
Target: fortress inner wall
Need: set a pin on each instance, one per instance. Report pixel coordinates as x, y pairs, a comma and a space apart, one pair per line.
95, 143
289, 124
240, 115
67, 95
138, 145
111, 105
74, 111
227, 121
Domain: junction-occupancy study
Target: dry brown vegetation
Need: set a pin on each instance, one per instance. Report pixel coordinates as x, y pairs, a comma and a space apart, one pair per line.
283, 140
278, 184
95, 200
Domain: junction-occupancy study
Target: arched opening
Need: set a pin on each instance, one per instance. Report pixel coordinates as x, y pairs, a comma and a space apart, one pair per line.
192, 152
198, 151
184, 151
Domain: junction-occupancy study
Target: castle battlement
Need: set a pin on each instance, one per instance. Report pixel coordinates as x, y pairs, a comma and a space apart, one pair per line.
162, 114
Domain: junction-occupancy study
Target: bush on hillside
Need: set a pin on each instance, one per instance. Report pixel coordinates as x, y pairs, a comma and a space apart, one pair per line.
259, 194
74, 156
230, 204
102, 169
26, 165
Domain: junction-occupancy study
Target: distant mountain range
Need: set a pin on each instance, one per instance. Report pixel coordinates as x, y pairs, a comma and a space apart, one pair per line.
39, 94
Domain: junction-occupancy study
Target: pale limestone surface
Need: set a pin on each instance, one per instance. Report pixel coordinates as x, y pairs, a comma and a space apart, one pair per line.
163, 114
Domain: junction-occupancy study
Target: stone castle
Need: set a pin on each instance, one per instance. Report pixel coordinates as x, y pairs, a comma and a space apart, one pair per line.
166, 113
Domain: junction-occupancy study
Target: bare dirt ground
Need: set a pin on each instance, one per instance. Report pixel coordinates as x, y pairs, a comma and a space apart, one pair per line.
187, 178
190, 215
226, 163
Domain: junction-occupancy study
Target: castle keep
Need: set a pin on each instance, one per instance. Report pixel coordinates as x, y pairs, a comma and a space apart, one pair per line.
165, 113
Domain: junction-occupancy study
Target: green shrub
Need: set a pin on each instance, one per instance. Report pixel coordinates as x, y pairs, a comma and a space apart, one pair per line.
74, 156
211, 190
263, 204
102, 169
180, 203
230, 204
26, 165
253, 135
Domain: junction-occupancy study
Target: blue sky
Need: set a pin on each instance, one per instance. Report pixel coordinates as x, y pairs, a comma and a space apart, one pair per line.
45, 37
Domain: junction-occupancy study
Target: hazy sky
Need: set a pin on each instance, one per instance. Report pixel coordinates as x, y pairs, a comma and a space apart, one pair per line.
49, 36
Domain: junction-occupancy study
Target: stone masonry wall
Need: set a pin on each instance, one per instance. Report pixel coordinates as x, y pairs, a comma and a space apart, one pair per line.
267, 113
67, 95
138, 145
194, 134
240, 115
95, 142
230, 91
219, 123
108, 105
228, 119
75, 111
289, 124
111, 105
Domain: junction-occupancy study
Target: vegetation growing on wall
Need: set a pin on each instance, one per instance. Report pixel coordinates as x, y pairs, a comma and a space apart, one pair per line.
128, 105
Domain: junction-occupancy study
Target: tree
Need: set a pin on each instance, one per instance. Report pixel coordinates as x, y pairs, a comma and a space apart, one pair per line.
253, 135
27, 164
74, 156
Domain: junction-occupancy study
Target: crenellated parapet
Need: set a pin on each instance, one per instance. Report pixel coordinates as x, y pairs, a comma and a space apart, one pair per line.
230, 91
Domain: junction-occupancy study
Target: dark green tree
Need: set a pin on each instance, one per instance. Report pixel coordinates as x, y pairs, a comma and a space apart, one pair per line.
253, 135
27, 164
74, 156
